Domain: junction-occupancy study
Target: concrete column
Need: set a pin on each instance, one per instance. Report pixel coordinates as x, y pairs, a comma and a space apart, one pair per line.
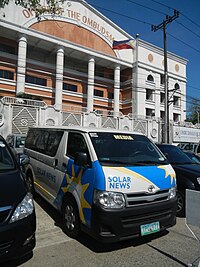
59, 78
90, 88
21, 64
116, 89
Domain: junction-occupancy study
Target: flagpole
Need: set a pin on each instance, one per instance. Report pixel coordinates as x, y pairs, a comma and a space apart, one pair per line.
129, 44
136, 77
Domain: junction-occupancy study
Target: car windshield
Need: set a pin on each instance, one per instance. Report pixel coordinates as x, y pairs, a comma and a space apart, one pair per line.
6, 159
125, 149
175, 155
192, 156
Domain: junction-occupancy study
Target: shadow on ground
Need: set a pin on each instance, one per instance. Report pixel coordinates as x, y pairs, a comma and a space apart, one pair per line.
88, 241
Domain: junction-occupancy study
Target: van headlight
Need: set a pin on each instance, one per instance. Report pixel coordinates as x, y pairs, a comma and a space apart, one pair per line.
172, 192
109, 200
24, 209
198, 180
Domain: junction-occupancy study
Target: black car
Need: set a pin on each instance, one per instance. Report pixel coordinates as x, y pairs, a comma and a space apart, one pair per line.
17, 212
187, 173
16, 143
194, 157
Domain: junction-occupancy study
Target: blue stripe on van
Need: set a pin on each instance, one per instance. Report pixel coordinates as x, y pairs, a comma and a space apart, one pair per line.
99, 182
80, 182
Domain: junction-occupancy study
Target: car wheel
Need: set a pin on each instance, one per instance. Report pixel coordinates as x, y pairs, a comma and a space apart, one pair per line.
29, 179
71, 220
180, 204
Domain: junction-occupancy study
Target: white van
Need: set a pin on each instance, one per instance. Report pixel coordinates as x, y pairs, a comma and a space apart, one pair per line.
112, 184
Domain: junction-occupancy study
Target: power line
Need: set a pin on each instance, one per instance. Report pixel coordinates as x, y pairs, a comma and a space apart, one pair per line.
149, 8
180, 12
190, 20
197, 50
162, 4
189, 29
147, 23
163, 25
122, 15
196, 88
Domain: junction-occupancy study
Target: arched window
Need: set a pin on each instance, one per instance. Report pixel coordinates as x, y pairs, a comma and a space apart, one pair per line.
176, 86
150, 78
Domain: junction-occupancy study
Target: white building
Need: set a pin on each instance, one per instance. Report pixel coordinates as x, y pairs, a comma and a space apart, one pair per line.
68, 61
150, 83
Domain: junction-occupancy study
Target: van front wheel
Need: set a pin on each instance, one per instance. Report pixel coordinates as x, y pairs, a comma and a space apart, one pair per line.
71, 220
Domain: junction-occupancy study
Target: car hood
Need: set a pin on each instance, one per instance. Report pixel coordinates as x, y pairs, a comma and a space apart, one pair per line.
137, 179
12, 188
192, 169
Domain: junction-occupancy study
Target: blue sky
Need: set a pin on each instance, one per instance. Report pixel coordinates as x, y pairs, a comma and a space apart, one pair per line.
183, 34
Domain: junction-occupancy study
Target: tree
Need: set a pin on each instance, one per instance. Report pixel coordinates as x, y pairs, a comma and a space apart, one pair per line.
50, 6
194, 109
29, 96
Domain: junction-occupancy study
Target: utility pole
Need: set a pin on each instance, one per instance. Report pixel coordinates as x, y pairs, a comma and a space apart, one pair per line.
154, 28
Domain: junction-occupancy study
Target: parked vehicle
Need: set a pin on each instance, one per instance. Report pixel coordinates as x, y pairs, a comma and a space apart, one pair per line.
16, 142
187, 173
197, 150
17, 212
188, 146
194, 157
111, 184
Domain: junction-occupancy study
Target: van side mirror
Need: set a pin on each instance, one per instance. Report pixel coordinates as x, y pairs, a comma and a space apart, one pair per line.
81, 159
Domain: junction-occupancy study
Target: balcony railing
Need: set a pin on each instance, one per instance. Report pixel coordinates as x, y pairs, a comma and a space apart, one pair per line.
23, 101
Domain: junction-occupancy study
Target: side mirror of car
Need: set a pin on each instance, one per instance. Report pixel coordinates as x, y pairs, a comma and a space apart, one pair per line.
81, 159
23, 160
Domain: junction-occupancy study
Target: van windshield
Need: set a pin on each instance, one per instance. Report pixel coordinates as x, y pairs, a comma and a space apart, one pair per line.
125, 149
6, 159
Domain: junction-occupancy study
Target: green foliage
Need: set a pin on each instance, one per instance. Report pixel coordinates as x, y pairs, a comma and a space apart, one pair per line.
29, 96
51, 7
194, 115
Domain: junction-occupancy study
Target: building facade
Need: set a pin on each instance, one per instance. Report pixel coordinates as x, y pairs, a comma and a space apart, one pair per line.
67, 61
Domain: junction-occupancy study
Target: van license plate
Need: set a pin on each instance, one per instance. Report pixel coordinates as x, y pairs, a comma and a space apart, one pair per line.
150, 228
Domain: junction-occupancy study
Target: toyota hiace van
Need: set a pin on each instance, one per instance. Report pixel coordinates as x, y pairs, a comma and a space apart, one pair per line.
112, 184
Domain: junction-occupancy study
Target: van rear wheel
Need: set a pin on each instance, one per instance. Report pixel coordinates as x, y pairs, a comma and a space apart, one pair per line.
71, 220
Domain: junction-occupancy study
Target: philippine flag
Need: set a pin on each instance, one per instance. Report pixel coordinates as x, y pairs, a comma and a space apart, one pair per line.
125, 44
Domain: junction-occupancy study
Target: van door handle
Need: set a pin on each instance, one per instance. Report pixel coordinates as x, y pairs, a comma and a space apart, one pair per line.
55, 163
64, 165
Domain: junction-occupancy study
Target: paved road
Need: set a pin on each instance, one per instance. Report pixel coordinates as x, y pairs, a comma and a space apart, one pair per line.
173, 248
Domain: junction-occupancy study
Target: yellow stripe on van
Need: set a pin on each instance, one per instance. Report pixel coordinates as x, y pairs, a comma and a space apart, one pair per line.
127, 171
43, 189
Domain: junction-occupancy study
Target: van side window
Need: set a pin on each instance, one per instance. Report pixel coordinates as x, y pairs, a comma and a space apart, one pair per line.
41, 142
44, 141
76, 143
53, 142
31, 138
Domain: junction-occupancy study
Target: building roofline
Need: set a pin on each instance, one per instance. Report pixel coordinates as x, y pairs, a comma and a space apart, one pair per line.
159, 50
104, 18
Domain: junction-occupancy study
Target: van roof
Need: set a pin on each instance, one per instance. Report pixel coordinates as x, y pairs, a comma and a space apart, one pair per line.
85, 129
